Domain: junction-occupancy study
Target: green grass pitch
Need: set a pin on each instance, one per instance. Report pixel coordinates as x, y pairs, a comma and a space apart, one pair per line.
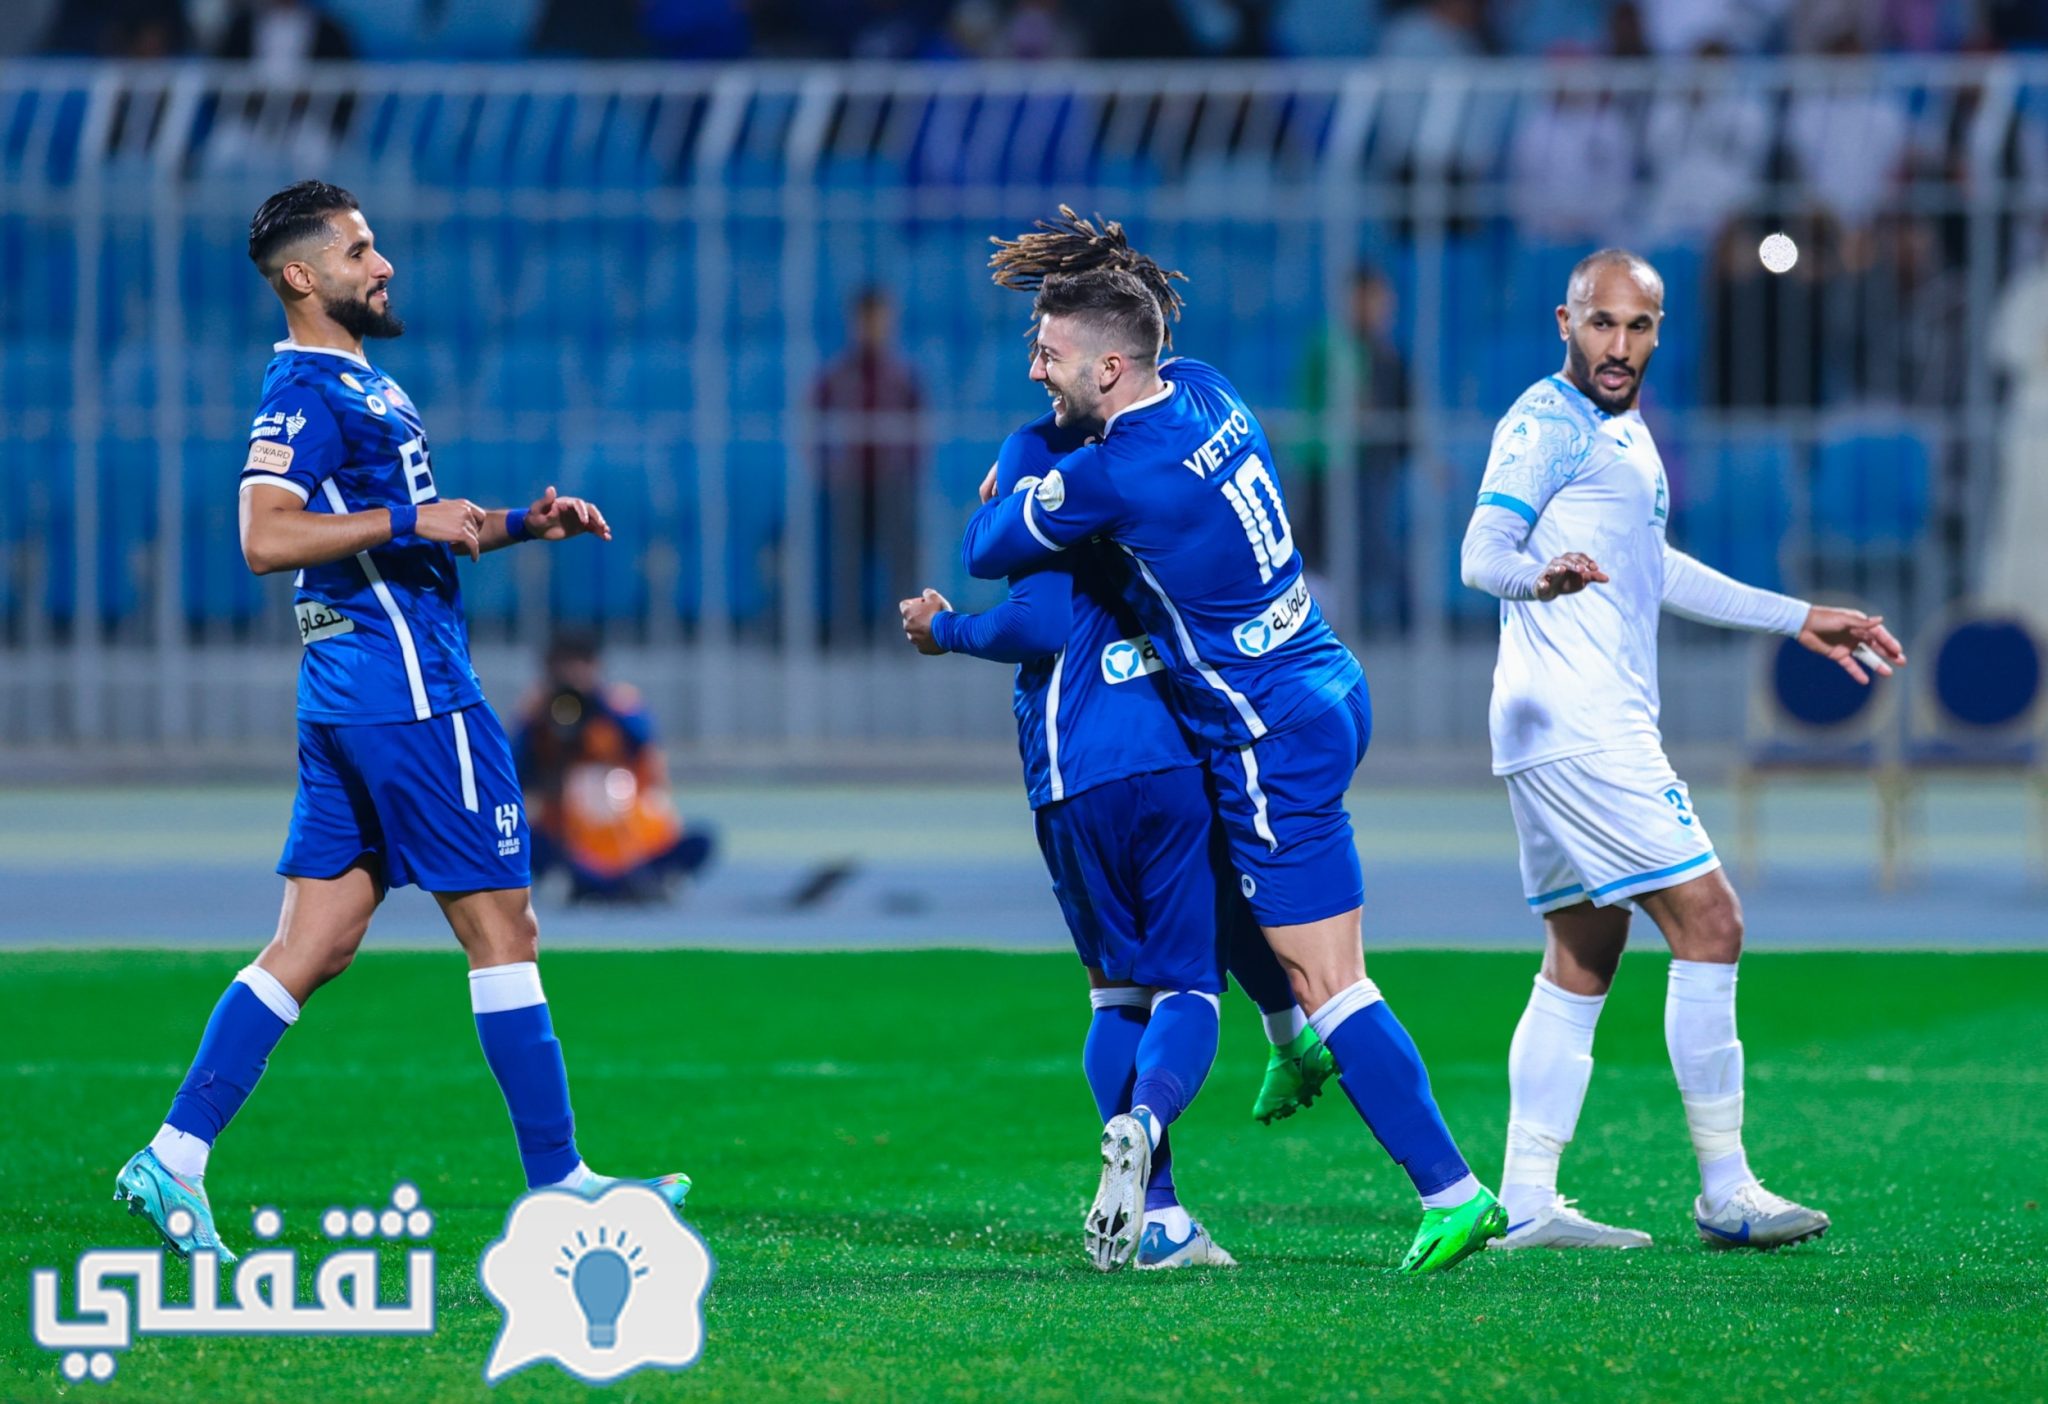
892, 1154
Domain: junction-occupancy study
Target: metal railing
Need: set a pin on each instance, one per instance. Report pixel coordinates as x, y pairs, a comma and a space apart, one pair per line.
633, 281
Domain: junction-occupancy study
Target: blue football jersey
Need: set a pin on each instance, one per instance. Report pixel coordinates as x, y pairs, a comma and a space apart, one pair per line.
1184, 484
1098, 710
383, 630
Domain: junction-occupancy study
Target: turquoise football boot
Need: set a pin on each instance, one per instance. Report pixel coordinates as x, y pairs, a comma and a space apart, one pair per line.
179, 1210
674, 1188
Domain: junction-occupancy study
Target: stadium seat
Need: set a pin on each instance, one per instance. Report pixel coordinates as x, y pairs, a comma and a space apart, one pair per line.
1978, 705
1872, 485
1737, 507
1807, 717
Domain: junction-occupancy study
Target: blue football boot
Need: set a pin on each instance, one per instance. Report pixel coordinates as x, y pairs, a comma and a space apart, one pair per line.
179, 1210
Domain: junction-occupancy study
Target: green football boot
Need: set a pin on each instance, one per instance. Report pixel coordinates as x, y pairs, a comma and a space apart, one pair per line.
178, 1209
1449, 1236
1295, 1074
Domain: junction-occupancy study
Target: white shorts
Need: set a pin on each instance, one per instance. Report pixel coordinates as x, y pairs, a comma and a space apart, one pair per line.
1605, 827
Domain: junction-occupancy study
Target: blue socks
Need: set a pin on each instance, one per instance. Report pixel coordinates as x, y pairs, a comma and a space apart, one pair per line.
245, 1025
1109, 1058
1175, 1055
1383, 1076
519, 1043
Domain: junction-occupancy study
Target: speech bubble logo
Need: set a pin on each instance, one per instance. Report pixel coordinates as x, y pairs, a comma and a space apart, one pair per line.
602, 1287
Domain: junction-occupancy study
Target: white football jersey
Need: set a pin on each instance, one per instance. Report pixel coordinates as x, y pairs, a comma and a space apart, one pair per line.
1578, 674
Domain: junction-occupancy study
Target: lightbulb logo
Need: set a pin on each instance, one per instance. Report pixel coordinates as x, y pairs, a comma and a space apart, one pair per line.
602, 1287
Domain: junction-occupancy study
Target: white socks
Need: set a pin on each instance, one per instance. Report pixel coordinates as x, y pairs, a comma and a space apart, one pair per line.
1550, 1063
1699, 1029
182, 1153
573, 1180
1175, 1220
1286, 1026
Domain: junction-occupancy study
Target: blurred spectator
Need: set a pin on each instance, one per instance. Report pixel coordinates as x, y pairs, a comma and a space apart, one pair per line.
1708, 143
1436, 30
28, 22
1847, 138
1572, 165
2015, 565
132, 29
1625, 36
1326, 28
1764, 331
1138, 29
1738, 26
870, 429
1550, 26
695, 29
595, 29
2015, 24
1038, 29
1369, 367
596, 784
278, 38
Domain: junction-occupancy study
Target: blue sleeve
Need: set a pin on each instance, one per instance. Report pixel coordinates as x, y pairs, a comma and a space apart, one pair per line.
295, 442
1072, 502
1032, 623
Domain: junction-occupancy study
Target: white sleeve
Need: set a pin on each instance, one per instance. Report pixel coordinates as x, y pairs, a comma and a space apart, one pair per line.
1492, 558
1699, 592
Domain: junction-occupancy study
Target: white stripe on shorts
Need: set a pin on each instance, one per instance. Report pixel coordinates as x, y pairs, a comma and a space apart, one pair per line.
462, 759
1261, 823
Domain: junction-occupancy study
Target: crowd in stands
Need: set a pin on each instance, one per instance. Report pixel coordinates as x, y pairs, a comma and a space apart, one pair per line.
276, 32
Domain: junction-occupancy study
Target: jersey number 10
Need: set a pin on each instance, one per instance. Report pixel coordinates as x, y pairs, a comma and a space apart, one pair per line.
1256, 497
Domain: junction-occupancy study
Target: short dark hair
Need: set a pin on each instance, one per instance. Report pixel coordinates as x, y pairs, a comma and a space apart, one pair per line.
293, 213
1114, 301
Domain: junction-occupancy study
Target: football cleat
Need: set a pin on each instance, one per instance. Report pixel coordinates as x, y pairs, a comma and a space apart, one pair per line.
1295, 1074
177, 1208
674, 1188
1449, 1236
1117, 1217
1156, 1251
1753, 1217
1559, 1225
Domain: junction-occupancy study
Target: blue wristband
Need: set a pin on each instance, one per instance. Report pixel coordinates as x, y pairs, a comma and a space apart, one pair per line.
515, 523
404, 517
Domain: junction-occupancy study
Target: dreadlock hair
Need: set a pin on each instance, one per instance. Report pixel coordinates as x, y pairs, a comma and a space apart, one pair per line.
1072, 245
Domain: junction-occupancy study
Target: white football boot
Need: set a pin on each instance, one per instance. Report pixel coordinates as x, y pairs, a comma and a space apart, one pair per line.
1157, 1250
1559, 1225
1117, 1217
1753, 1217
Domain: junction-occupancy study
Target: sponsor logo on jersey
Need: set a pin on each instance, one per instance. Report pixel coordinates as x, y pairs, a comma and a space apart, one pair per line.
293, 425
319, 620
267, 426
351, 382
269, 458
1281, 621
375, 405
1025, 484
1661, 513
1130, 658
1051, 491
1221, 446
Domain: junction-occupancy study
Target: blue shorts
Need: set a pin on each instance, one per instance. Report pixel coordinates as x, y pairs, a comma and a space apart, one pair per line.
1282, 803
437, 801
1130, 866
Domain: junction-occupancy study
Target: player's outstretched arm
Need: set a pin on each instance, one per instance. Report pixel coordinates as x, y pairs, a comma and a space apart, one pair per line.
1032, 623
550, 518
278, 533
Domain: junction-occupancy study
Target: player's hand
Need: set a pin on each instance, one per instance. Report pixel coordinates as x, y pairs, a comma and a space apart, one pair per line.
1853, 639
1569, 574
453, 521
553, 518
917, 620
988, 485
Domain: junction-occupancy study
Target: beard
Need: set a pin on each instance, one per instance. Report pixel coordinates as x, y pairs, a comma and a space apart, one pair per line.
1582, 371
356, 317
